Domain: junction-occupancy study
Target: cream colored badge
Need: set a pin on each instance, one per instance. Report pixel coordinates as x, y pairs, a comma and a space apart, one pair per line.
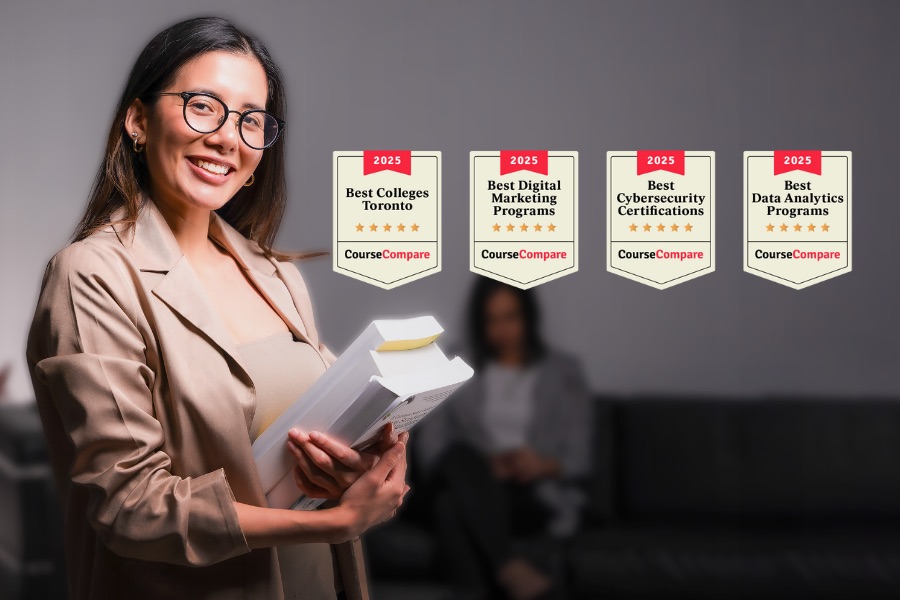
660, 221
797, 215
387, 215
523, 215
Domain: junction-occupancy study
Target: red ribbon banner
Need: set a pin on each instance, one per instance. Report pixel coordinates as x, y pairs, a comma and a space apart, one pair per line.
798, 160
523, 160
387, 160
660, 160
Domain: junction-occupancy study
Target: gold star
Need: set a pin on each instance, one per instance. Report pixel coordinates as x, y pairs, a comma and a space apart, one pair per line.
674, 227
688, 227
359, 226
373, 227
523, 227
811, 227
415, 227
496, 227
797, 227
770, 227
551, 227
401, 227
632, 227
510, 227
646, 226
825, 227
537, 227
783, 227
660, 227
387, 227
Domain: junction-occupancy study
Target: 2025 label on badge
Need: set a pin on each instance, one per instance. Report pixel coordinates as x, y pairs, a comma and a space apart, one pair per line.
387, 215
797, 215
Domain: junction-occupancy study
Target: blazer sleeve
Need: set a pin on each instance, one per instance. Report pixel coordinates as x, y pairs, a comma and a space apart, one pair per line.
88, 364
576, 432
578, 424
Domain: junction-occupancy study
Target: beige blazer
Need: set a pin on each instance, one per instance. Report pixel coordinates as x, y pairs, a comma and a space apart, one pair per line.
146, 406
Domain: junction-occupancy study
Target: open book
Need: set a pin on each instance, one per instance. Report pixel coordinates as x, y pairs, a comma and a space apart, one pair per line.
394, 371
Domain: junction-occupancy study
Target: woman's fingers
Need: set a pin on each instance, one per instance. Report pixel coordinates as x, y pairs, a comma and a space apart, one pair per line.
386, 440
300, 440
296, 436
388, 435
330, 449
397, 473
389, 439
307, 487
316, 454
315, 474
394, 457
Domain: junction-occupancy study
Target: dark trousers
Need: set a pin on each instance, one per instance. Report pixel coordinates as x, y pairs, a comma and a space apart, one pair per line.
476, 516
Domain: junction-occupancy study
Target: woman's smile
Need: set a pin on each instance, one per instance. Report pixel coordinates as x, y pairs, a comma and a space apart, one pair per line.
210, 170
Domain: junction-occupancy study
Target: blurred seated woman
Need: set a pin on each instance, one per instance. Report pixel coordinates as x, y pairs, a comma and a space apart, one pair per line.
507, 455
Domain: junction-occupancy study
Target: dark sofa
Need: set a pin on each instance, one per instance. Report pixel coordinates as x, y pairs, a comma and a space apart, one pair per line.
771, 497
32, 563
794, 498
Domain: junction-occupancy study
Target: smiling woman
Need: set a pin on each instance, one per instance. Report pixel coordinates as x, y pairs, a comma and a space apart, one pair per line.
203, 56
170, 326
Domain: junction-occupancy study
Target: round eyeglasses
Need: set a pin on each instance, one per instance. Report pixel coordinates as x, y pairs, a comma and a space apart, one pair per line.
204, 113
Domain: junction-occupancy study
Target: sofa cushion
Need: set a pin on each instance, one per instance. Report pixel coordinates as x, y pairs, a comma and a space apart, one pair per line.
667, 561
781, 458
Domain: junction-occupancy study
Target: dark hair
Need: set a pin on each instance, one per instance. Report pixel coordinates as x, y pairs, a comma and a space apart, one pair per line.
256, 211
481, 292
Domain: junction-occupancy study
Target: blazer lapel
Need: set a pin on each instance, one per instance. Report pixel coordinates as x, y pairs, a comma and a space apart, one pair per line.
182, 291
155, 250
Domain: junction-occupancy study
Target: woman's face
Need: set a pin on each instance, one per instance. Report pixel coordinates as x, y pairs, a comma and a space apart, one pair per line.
504, 322
175, 152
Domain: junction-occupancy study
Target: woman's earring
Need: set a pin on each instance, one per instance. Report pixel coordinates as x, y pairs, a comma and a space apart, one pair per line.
134, 143
251, 180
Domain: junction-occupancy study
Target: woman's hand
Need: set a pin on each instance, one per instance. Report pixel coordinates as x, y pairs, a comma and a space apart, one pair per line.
374, 497
326, 468
377, 494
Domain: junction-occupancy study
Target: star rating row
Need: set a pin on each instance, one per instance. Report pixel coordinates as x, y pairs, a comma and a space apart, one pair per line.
523, 227
387, 227
797, 227
661, 227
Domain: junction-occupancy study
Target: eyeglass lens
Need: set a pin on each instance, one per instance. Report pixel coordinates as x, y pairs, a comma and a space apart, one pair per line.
206, 114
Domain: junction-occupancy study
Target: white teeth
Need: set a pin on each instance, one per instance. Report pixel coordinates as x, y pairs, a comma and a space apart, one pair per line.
211, 167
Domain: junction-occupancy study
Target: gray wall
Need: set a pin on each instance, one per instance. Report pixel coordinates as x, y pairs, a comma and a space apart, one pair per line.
457, 76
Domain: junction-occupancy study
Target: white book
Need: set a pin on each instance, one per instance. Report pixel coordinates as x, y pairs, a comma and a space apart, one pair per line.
393, 372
